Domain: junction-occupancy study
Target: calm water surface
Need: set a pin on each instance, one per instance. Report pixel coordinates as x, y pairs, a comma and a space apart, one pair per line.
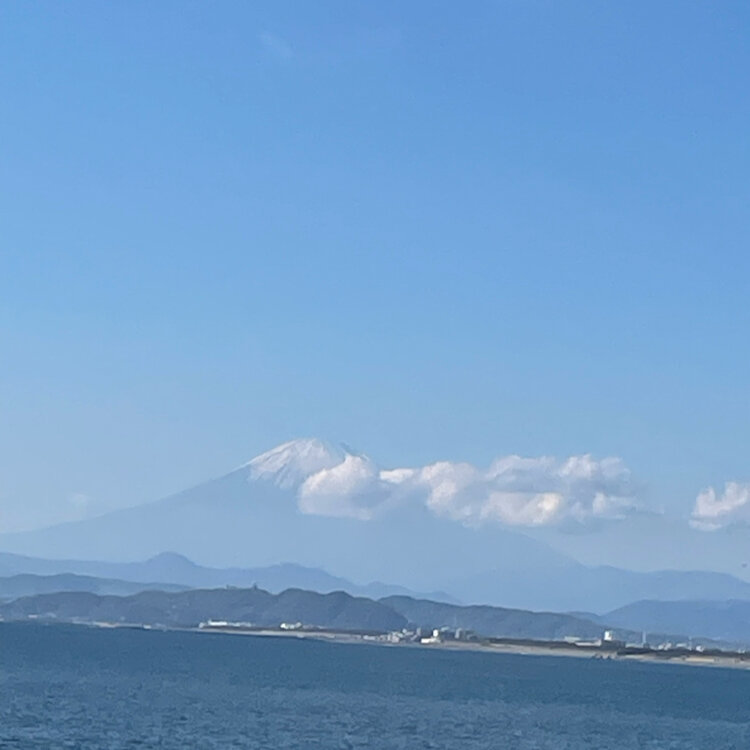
74, 687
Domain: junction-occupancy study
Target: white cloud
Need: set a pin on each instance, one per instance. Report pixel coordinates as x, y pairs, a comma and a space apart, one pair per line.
520, 491
514, 491
353, 489
713, 511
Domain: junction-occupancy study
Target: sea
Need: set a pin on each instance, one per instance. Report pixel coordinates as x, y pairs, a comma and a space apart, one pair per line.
66, 686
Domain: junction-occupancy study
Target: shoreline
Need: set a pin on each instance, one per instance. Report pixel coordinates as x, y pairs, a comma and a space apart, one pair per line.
517, 647
728, 660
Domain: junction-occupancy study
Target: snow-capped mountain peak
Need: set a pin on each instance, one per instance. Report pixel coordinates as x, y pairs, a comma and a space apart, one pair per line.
289, 464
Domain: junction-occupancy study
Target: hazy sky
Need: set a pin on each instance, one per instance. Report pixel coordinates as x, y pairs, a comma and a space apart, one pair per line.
430, 230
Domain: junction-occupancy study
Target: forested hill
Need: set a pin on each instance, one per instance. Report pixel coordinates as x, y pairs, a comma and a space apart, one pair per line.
335, 610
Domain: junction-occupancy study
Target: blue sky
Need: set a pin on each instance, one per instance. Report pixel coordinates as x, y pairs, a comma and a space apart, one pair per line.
426, 230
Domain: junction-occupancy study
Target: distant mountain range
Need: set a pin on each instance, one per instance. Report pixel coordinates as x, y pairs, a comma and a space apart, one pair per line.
188, 608
496, 622
174, 572
727, 621
28, 584
570, 588
68, 596
335, 610
575, 587
249, 526
251, 518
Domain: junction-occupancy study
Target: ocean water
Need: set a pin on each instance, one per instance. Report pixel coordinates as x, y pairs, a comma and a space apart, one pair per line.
75, 687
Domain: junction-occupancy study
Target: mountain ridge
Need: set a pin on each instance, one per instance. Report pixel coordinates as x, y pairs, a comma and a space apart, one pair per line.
251, 516
30, 584
261, 608
189, 608
173, 569
727, 621
250, 520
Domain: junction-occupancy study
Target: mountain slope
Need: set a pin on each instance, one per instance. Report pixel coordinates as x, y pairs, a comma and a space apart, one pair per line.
495, 622
29, 584
249, 521
335, 610
724, 621
575, 587
189, 608
177, 571
289, 464
251, 517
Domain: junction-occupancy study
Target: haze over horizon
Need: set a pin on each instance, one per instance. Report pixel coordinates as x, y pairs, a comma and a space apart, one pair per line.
516, 517
500, 253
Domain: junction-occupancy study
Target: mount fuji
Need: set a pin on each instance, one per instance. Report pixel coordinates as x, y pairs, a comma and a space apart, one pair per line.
253, 516
311, 504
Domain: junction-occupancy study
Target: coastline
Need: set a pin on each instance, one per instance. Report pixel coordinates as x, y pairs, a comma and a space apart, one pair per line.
728, 660
517, 647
